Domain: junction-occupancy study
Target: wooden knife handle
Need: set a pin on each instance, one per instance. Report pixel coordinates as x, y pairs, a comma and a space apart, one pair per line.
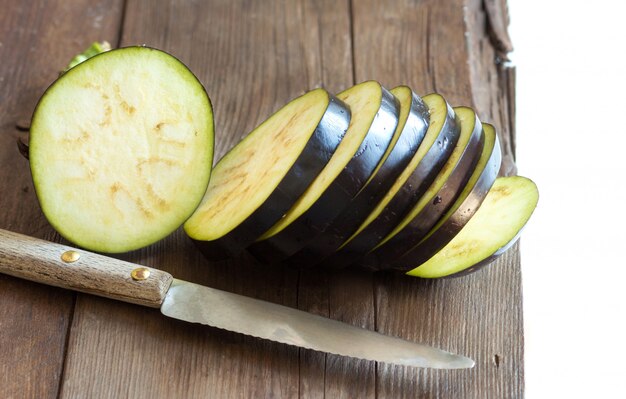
66, 267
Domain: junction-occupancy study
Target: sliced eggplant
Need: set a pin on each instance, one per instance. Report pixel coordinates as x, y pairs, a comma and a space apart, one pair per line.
260, 178
440, 195
493, 229
488, 260
412, 126
374, 119
464, 207
440, 140
121, 149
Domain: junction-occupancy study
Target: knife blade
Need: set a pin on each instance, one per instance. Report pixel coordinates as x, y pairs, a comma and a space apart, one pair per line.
66, 267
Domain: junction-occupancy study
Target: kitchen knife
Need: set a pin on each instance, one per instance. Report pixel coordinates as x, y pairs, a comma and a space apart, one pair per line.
62, 266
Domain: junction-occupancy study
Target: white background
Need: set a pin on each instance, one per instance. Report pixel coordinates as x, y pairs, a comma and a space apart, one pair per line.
571, 97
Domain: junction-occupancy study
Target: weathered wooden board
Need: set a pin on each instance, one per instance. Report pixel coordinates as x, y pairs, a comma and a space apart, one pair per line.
36, 39
253, 57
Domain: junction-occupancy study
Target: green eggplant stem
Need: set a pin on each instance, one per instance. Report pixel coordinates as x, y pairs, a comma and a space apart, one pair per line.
95, 49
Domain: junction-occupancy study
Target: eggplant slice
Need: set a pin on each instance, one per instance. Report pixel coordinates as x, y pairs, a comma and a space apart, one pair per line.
121, 149
374, 119
412, 126
488, 260
260, 178
440, 140
440, 195
489, 233
464, 207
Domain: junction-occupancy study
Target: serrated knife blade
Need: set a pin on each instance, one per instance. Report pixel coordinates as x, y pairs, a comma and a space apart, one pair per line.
66, 267
198, 304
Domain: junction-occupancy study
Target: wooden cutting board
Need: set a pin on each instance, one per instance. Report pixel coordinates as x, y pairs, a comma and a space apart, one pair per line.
252, 57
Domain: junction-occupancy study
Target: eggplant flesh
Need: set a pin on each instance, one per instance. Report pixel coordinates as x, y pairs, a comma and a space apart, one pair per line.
260, 178
119, 158
465, 206
488, 260
440, 195
410, 131
374, 127
441, 138
493, 229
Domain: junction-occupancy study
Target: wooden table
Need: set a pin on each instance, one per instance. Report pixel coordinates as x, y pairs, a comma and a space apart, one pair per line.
252, 57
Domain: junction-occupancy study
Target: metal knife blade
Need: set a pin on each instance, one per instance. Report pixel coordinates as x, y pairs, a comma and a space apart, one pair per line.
66, 267
198, 304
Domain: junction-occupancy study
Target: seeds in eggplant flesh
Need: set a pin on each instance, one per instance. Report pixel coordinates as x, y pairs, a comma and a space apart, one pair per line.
262, 176
502, 215
411, 129
464, 207
408, 187
121, 149
375, 115
440, 195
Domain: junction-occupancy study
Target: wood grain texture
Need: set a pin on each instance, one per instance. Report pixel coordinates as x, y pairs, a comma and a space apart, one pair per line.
46, 262
37, 39
498, 18
492, 79
449, 50
253, 57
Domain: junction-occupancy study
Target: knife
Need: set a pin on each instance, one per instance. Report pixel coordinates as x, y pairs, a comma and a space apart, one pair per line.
66, 267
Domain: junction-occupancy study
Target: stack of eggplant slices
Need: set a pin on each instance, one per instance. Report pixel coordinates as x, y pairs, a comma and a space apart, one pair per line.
378, 178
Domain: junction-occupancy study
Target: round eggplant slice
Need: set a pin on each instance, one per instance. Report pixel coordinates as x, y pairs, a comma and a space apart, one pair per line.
464, 207
121, 149
260, 178
493, 229
440, 195
412, 126
440, 140
488, 260
374, 119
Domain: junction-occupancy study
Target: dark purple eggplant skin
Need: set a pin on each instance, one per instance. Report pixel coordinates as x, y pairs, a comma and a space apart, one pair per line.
351, 217
340, 192
385, 256
412, 190
315, 155
427, 248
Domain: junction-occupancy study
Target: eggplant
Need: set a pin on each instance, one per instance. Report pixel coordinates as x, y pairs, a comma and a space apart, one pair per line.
488, 234
412, 126
374, 120
260, 178
440, 140
464, 207
121, 149
487, 261
120, 159
440, 195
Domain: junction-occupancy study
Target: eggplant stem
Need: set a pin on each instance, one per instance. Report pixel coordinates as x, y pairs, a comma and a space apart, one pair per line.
22, 147
93, 50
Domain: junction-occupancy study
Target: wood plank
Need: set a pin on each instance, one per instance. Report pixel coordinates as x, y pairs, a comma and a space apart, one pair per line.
446, 47
492, 77
37, 39
252, 57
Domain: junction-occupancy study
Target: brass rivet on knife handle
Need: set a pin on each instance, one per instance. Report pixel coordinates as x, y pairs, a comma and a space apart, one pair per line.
140, 274
46, 262
70, 256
